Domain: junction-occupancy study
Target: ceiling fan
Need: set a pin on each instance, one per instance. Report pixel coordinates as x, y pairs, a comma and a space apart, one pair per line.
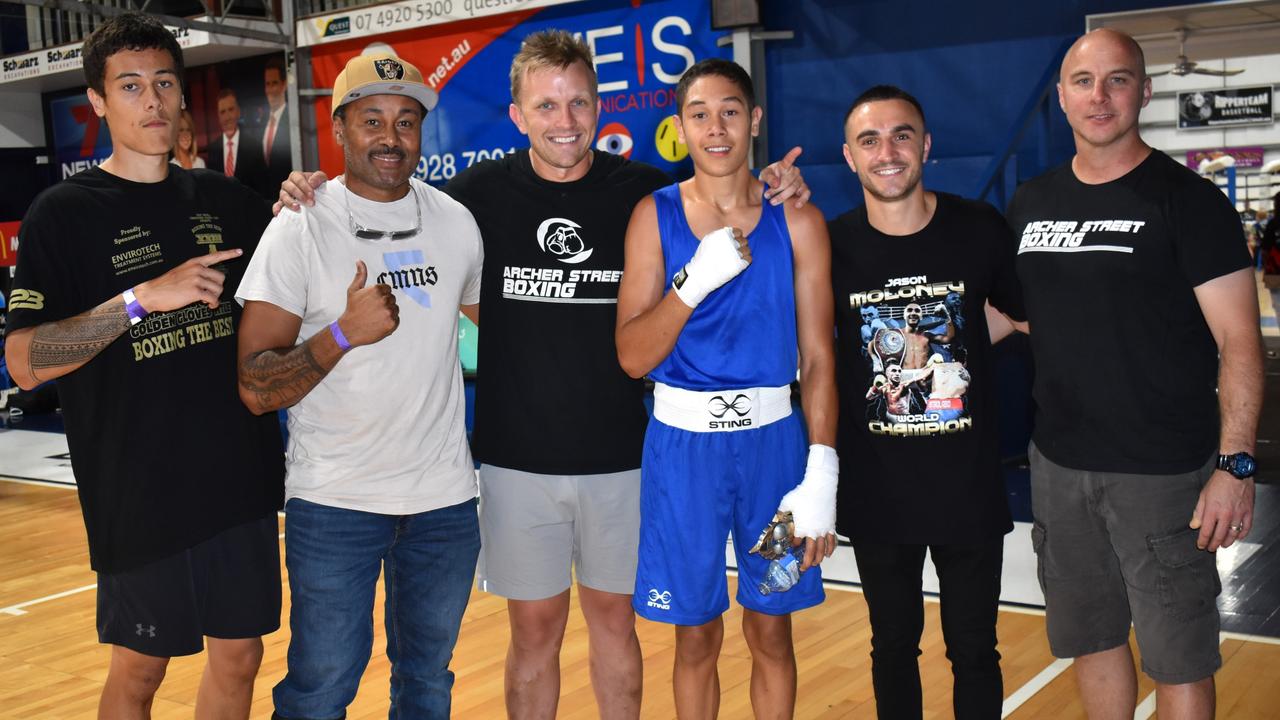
1185, 67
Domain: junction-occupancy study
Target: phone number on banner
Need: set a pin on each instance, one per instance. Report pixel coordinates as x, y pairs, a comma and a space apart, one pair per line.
442, 167
404, 16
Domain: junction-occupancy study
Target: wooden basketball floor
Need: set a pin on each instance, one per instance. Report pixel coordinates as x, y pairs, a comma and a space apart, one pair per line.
51, 665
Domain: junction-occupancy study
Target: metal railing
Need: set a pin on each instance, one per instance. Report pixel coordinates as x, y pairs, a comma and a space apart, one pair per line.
1037, 109
58, 22
302, 8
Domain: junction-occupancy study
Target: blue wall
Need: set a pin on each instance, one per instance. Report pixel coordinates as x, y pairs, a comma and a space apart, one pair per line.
972, 65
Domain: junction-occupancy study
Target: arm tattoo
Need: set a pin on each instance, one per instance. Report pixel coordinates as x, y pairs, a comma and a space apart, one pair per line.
280, 378
77, 339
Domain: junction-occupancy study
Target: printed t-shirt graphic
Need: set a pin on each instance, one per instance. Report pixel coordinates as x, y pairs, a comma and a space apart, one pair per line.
912, 340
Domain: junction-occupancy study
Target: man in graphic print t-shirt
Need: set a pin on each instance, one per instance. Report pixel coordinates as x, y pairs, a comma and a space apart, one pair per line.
912, 271
122, 297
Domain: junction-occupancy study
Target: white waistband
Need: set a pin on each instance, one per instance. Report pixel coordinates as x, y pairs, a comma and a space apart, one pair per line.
722, 410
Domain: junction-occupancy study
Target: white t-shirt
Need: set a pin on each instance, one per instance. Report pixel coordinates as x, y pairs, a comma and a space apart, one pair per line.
384, 431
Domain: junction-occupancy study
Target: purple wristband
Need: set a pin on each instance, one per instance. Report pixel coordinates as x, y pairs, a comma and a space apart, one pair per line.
338, 337
133, 308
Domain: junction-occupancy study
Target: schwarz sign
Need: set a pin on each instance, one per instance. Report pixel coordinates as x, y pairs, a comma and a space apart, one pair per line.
68, 57
1222, 108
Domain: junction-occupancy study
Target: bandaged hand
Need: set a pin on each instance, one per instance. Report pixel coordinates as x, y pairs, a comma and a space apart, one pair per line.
812, 503
721, 255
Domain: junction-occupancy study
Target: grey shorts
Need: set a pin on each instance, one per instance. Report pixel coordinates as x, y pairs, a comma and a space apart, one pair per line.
535, 529
1114, 548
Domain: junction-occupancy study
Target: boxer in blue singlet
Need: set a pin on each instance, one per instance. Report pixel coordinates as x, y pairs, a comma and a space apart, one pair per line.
723, 451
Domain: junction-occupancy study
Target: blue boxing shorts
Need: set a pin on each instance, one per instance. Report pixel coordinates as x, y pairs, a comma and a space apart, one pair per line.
715, 463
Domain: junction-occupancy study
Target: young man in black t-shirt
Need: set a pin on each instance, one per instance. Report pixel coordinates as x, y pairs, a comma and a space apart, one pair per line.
119, 296
558, 425
1141, 454
912, 272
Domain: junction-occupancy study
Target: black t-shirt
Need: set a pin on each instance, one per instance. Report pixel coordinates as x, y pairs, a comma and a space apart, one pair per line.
918, 440
550, 395
164, 453
1126, 368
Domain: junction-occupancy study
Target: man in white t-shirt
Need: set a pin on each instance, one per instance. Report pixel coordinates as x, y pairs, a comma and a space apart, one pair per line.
351, 322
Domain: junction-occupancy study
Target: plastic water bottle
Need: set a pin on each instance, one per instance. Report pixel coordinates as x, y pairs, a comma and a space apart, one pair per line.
784, 572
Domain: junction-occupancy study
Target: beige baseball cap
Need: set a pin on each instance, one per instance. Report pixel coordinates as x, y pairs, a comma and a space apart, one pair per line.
381, 75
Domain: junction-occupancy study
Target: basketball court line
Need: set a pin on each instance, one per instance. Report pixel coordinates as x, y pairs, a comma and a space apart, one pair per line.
18, 609
37, 481
1033, 686
1146, 708
1244, 637
1020, 696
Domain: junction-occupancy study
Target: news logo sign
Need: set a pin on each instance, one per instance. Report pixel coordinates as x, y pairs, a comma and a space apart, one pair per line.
80, 138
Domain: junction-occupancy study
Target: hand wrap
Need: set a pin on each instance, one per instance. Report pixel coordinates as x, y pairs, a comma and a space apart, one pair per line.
717, 261
812, 503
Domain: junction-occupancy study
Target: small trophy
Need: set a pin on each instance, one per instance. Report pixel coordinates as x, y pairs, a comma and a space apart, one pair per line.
775, 541
784, 558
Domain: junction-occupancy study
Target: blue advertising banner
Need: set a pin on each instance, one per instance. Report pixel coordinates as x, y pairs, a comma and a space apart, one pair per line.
641, 48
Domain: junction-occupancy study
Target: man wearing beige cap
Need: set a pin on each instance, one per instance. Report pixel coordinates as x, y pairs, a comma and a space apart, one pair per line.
351, 322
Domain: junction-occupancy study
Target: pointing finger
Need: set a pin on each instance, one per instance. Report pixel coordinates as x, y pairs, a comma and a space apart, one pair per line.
217, 257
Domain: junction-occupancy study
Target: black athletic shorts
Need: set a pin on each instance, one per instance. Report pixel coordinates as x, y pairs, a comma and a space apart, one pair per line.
226, 587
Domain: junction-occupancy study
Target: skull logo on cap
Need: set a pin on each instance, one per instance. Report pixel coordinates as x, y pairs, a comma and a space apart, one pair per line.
389, 69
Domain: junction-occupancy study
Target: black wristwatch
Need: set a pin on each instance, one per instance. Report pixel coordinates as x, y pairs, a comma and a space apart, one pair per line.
1241, 464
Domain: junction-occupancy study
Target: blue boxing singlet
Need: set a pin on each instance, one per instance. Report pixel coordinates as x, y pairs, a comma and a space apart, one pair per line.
744, 333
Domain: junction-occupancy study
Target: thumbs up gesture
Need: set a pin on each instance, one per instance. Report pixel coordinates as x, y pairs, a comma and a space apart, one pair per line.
371, 313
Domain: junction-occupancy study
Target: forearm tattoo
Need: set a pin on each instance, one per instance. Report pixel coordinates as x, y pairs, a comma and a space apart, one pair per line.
78, 339
280, 378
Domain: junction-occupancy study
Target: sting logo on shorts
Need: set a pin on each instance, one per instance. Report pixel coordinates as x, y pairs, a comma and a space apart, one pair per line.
659, 600
719, 407
560, 237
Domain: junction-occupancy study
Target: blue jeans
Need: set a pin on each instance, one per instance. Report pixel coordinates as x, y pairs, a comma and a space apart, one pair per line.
334, 557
